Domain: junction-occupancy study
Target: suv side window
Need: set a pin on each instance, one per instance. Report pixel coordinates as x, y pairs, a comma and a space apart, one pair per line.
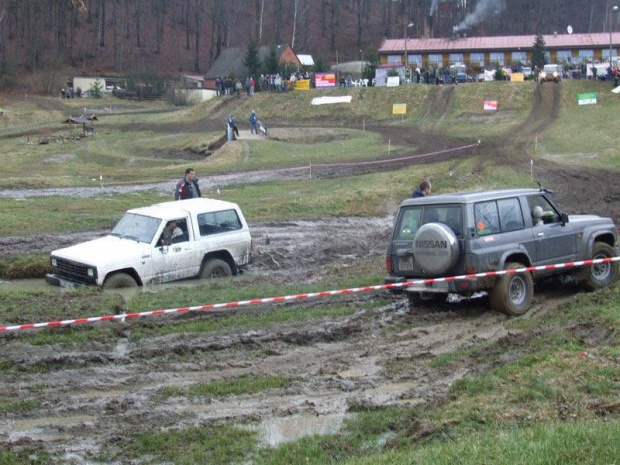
218, 222
487, 218
548, 215
510, 214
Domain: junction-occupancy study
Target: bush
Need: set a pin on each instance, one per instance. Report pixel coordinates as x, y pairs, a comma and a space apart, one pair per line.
96, 89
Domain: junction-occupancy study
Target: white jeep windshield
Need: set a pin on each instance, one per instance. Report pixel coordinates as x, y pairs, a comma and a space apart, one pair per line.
137, 227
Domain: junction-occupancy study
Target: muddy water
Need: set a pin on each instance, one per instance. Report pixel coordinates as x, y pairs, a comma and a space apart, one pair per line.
275, 431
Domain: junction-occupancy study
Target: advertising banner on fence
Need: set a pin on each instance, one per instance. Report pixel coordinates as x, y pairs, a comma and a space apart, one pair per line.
490, 105
323, 80
302, 84
587, 99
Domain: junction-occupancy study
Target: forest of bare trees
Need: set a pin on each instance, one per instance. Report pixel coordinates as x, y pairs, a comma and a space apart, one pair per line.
188, 35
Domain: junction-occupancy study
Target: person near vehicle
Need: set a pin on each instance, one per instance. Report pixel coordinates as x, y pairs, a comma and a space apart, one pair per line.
233, 126
187, 188
423, 190
170, 232
253, 121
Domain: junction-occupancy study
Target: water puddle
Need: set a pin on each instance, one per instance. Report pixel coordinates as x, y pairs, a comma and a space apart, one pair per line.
101, 394
275, 431
27, 285
45, 429
388, 392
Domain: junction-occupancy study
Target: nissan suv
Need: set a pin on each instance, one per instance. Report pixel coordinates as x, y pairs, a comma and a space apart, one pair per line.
486, 231
168, 241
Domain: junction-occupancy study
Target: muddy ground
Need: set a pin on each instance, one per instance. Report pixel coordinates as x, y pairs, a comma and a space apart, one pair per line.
96, 394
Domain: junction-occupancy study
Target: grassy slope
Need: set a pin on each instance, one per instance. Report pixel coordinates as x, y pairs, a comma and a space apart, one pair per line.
536, 399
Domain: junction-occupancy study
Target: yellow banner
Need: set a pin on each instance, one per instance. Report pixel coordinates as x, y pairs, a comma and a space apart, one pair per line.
517, 77
302, 84
399, 109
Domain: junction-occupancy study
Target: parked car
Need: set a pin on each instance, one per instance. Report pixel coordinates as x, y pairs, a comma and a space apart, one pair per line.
527, 71
551, 72
461, 78
168, 241
487, 231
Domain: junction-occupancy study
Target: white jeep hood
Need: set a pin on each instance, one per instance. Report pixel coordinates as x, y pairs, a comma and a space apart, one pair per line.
105, 250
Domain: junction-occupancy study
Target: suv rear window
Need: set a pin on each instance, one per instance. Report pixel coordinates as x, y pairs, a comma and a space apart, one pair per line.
218, 222
412, 218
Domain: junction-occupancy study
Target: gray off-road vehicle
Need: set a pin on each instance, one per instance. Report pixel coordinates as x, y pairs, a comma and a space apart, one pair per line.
484, 231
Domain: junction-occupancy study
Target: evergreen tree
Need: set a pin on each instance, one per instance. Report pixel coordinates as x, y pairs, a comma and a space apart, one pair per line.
252, 59
271, 60
538, 52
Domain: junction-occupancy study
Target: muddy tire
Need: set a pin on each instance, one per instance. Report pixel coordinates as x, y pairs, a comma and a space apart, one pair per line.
423, 301
513, 292
215, 268
119, 281
595, 277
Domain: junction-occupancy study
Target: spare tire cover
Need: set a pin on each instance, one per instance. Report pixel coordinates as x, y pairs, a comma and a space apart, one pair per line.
435, 248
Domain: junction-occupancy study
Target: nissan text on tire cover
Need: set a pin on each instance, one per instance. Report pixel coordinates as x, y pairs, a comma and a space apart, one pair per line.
201, 237
486, 231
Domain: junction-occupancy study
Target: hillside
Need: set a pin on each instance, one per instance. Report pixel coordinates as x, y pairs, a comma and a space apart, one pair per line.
172, 35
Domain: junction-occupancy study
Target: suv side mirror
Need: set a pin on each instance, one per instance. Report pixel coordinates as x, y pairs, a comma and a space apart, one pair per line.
564, 218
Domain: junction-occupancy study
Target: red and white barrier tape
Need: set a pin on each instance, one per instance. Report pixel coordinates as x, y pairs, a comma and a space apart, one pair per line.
287, 298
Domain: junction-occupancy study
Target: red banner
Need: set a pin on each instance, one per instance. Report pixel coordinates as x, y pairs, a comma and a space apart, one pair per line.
322, 80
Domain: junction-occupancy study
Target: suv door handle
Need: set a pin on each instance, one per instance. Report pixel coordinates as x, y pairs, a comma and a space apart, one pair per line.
541, 234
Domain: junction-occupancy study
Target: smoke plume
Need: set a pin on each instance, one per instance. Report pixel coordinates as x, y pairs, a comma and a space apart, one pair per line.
483, 8
433, 7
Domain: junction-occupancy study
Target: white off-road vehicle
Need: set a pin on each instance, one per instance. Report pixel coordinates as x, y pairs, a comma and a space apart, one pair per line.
164, 242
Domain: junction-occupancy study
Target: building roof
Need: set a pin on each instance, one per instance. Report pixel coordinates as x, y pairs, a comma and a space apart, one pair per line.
82, 119
193, 77
230, 61
556, 41
306, 60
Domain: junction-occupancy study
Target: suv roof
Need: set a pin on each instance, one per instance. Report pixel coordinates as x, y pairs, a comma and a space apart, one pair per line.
181, 207
469, 197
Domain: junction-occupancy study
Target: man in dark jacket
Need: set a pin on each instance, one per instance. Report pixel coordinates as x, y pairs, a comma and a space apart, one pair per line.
423, 190
187, 188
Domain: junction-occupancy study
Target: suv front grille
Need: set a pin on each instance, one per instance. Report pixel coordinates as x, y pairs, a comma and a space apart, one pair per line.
73, 271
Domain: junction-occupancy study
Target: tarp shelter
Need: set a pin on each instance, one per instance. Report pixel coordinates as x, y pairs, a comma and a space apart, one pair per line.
85, 120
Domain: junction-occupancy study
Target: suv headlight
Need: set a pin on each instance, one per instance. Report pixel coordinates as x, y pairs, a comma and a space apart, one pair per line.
91, 272
54, 262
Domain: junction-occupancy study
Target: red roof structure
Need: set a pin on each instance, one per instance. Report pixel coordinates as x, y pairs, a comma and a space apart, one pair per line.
555, 41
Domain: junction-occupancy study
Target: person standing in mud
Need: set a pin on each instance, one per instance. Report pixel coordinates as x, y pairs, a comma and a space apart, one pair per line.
187, 188
423, 190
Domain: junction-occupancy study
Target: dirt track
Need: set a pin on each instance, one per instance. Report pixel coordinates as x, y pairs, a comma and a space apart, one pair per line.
96, 394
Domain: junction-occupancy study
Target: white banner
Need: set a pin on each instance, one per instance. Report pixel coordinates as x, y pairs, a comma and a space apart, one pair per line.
327, 100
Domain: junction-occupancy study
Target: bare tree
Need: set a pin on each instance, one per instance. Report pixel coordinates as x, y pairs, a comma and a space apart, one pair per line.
199, 7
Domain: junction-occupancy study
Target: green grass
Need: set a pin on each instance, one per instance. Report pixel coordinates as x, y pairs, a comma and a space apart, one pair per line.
467, 117
573, 443
584, 135
221, 444
366, 195
26, 457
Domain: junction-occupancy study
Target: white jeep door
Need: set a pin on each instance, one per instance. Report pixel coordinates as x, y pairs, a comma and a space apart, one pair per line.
177, 259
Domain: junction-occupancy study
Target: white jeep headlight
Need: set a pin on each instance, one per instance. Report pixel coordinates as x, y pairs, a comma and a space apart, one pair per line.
54, 262
91, 272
